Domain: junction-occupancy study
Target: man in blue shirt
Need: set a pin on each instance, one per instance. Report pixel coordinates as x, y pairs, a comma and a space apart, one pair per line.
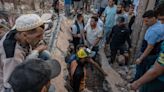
109, 13
153, 79
151, 43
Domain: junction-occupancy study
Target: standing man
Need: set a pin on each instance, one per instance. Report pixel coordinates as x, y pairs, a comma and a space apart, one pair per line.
19, 44
151, 43
110, 12
121, 13
119, 36
77, 30
153, 79
93, 34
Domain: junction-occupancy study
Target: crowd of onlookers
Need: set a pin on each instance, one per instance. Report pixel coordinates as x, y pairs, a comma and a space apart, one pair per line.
27, 66
111, 26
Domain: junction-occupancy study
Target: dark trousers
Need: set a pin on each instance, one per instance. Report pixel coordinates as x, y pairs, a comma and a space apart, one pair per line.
114, 51
153, 86
144, 66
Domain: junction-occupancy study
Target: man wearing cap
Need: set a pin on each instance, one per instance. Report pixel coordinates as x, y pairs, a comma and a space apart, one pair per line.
34, 75
18, 43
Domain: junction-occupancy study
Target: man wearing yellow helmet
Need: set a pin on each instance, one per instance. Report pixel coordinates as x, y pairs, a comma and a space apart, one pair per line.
78, 70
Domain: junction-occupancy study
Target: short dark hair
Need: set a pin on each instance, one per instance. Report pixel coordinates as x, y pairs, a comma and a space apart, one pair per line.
159, 9
95, 18
149, 14
79, 16
120, 19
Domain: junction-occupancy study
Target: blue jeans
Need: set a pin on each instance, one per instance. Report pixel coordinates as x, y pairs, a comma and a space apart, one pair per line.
144, 66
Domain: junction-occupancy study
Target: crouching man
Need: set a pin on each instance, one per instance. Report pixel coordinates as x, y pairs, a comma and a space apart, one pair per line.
78, 68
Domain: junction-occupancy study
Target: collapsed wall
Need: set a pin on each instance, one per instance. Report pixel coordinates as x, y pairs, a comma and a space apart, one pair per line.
59, 43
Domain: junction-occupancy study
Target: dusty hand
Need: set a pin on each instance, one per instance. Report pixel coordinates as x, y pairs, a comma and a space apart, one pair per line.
134, 86
40, 48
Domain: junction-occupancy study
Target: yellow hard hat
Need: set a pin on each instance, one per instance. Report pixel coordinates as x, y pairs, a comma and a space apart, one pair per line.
81, 53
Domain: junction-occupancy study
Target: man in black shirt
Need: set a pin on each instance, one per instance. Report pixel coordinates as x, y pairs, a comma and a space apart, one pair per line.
119, 35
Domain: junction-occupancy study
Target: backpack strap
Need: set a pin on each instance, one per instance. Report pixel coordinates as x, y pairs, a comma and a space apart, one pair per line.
77, 26
10, 43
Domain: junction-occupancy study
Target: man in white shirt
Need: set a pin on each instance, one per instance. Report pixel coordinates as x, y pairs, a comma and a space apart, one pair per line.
93, 34
99, 23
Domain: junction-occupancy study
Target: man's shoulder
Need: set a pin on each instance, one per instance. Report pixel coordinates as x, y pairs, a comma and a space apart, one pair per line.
155, 28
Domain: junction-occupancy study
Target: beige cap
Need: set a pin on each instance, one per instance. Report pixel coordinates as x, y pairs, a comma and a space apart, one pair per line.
27, 22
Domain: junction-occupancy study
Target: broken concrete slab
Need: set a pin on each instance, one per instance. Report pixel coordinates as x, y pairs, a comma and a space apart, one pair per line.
61, 44
113, 78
